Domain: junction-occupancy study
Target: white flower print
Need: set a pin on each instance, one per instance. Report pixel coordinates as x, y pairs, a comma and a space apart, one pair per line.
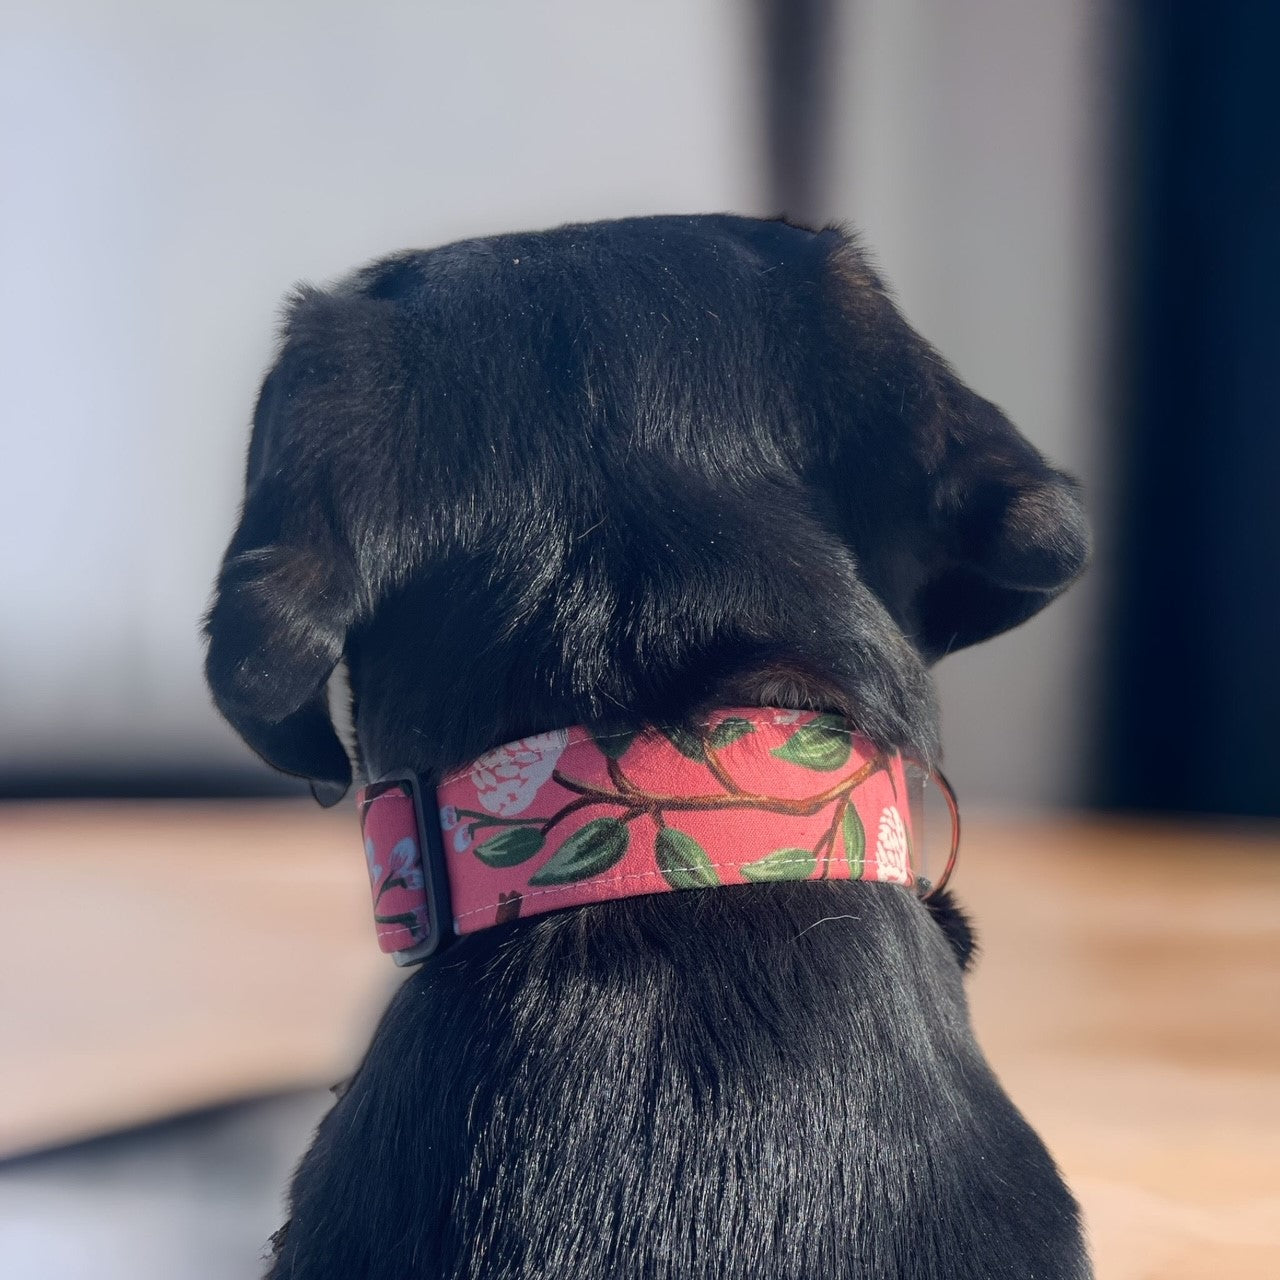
403, 863
506, 780
893, 853
371, 857
786, 717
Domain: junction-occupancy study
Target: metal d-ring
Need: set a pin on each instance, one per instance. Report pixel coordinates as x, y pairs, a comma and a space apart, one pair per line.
929, 889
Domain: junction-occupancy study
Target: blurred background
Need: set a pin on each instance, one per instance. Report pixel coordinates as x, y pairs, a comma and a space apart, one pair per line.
1078, 203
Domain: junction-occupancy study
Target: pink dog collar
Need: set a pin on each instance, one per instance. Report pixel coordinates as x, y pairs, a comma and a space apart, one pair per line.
563, 818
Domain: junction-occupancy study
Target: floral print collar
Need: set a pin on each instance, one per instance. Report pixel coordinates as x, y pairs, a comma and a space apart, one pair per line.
566, 818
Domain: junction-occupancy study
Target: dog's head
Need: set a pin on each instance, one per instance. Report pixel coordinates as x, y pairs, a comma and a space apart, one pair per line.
617, 472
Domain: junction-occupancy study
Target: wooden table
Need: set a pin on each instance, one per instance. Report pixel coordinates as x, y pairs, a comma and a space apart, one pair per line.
154, 958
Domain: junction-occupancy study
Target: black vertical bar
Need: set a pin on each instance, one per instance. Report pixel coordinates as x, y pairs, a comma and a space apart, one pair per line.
1194, 645
795, 40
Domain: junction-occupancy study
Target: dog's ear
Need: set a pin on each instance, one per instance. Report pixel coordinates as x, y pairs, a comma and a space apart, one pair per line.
1005, 531
1010, 529
276, 631
289, 590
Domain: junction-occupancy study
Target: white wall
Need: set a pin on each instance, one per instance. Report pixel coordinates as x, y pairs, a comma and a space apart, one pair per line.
970, 152
168, 171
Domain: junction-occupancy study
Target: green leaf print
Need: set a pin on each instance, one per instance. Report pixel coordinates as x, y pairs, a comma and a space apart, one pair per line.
589, 851
511, 847
729, 730
855, 841
823, 744
615, 745
782, 864
683, 861
687, 744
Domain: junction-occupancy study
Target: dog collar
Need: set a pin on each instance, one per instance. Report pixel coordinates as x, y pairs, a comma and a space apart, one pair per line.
566, 818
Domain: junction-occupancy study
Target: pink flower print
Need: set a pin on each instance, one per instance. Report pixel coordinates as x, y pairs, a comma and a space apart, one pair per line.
506, 780
893, 853
403, 863
371, 857
463, 833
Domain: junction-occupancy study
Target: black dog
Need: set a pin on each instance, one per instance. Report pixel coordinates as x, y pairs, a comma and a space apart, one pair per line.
616, 475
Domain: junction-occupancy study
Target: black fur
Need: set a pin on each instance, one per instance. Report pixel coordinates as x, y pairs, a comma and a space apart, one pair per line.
616, 474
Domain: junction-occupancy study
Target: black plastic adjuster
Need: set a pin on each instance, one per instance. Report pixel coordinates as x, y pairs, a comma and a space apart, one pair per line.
435, 878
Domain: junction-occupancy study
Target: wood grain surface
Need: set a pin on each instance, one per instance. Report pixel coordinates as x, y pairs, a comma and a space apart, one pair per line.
156, 957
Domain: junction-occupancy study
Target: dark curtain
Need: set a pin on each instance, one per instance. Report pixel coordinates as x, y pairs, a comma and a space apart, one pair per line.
1193, 690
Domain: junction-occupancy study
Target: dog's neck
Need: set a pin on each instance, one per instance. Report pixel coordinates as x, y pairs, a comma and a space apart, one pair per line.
565, 818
